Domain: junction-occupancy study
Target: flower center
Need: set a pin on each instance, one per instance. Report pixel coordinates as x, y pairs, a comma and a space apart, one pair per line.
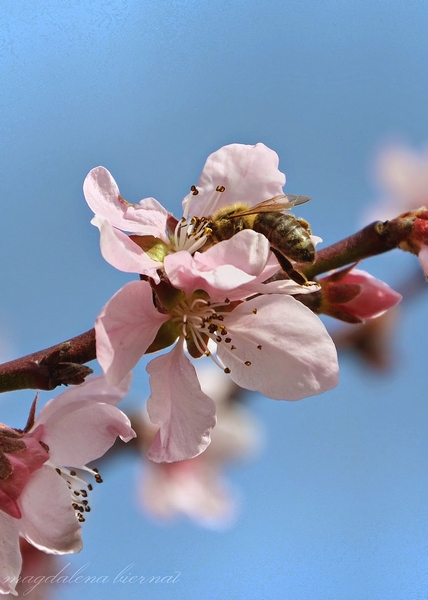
202, 321
191, 234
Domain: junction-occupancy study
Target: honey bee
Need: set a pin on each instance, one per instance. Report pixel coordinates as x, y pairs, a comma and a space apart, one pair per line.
290, 237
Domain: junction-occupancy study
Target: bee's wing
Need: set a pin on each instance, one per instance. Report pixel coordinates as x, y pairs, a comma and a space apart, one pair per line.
275, 204
295, 200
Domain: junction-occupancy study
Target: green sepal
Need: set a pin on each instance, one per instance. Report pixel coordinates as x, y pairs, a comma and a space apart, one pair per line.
154, 247
165, 337
167, 296
191, 347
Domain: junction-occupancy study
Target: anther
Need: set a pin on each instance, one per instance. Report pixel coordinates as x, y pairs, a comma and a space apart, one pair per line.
255, 311
227, 370
233, 347
220, 188
259, 347
247, 363
194, 190
228, 340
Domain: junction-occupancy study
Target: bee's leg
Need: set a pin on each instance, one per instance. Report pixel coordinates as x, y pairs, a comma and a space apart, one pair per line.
239, 225
286, 266
304, 224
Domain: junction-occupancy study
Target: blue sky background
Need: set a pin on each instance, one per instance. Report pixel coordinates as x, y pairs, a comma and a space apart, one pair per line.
336, 508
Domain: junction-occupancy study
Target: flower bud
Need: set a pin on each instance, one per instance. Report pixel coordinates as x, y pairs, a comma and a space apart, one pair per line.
355, 296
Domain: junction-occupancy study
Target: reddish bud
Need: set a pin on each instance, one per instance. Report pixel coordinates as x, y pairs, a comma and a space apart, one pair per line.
355, 296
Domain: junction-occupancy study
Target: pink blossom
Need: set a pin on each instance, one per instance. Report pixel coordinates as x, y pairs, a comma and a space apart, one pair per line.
203, 296
42, 495
196, 488
232, 174
270, 342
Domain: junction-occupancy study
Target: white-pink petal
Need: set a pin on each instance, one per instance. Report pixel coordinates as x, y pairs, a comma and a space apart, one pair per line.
291, 354
177, 405
85, 432
246, 250
285, 286
10, 554
223, 268
94, 389
122, 253
125, 328
48, 519
103, 197
249, 173
185, 273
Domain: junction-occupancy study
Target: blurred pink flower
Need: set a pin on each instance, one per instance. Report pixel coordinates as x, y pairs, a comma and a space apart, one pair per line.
196, 487
402, 175
42, 495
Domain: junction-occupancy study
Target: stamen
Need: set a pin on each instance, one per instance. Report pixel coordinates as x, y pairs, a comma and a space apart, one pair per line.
199, 319
196, 245
212, 200
77, 486
195, 302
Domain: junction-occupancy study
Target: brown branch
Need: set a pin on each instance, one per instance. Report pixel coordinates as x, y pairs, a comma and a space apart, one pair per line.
376, 238
61, 364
